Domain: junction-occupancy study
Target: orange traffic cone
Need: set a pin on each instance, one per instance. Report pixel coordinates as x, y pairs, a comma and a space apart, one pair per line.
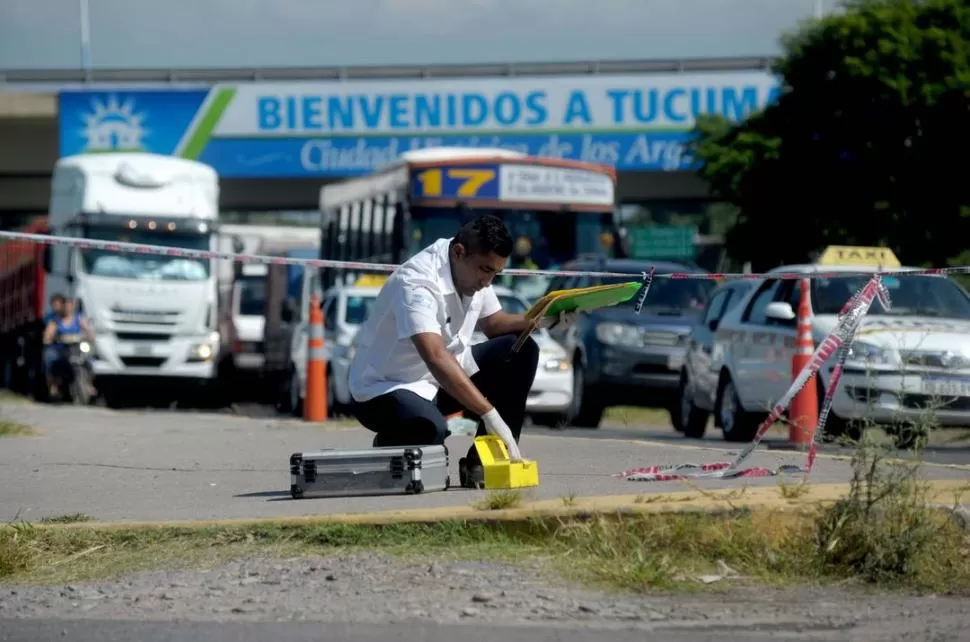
803, 413
315, 400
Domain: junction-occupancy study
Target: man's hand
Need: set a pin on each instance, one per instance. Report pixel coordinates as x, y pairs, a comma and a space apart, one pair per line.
495, 425
564, 320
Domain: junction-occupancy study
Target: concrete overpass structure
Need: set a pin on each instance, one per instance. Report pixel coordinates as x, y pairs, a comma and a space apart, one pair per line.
29, 122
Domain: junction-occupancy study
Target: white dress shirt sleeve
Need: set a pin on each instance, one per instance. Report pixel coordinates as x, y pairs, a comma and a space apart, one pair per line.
415, 311
490, 303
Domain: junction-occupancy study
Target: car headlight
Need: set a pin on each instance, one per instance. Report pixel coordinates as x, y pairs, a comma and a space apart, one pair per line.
613, 334
200, 352
555, 365
869, 353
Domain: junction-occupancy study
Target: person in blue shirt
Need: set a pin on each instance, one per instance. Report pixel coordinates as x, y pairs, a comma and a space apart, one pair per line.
66, 320
57, 304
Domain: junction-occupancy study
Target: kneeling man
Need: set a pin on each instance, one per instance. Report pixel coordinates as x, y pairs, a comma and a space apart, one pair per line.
414, 363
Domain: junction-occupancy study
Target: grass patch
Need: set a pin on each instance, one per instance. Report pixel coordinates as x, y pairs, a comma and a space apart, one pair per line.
637, 416
883, 533
500, 499
7, 396
14, 429
71, 518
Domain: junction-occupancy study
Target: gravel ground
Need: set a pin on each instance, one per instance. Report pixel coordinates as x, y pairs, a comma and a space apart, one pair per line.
368, 587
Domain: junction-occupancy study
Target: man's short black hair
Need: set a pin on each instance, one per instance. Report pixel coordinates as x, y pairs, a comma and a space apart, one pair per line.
57, 297
485, 234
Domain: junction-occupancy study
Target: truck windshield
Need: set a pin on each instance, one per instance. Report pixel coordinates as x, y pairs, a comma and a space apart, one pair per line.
146, 267
544, 240
923, 296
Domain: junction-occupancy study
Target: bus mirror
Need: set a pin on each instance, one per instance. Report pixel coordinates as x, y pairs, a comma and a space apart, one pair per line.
47, 259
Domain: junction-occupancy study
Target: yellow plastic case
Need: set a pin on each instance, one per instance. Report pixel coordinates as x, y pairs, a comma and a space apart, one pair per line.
500, 472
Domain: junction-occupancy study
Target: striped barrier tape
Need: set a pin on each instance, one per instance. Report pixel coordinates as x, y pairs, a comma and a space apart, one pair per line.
840, 339
162, 250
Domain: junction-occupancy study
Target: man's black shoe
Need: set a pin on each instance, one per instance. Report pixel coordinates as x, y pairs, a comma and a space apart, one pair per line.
471, 476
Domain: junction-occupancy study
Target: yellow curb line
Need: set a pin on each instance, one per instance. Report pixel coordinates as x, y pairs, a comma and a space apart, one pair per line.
756, 498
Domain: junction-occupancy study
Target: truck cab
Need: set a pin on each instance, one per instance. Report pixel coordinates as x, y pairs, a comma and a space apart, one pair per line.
155, 313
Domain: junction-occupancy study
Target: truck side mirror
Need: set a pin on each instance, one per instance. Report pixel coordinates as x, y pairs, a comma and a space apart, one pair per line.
47, 259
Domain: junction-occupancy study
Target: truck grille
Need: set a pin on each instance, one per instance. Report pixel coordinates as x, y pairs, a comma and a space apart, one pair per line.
144, 317
143, 362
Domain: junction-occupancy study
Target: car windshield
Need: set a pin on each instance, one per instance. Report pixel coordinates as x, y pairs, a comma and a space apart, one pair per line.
358, 309
671, 295
252, 296
147, 267
914, 295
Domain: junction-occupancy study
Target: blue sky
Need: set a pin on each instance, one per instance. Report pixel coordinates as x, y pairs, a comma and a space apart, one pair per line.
231, 33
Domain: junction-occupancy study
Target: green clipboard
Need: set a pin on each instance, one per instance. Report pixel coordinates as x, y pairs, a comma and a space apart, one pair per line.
578, 299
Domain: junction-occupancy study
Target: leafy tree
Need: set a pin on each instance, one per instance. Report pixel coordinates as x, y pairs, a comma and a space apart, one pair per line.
862, 146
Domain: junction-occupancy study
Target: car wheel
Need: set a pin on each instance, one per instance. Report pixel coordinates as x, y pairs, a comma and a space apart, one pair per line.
736, 424
693, 420
586, 411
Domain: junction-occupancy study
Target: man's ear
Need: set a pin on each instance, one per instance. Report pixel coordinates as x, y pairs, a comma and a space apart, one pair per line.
459, 250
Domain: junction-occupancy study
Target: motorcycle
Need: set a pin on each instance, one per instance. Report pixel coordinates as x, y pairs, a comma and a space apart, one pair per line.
73, 370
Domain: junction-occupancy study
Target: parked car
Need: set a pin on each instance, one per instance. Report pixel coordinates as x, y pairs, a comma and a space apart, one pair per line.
905, 363
697, 376
620, 358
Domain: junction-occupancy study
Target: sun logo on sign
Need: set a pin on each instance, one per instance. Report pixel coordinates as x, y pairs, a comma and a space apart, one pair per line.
113, 126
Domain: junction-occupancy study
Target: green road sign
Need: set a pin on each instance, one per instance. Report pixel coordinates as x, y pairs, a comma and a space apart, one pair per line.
663, 242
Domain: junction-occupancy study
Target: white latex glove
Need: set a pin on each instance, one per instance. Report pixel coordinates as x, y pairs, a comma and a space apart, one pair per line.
495, 425
564, 320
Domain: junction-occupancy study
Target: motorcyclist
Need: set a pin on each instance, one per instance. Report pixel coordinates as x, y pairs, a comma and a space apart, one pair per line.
66, 321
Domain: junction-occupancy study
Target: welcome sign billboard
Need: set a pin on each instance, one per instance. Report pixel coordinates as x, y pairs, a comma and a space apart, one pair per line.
346, 128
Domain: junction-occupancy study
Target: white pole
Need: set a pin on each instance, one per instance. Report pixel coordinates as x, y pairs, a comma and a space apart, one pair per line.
818, 9
85, 36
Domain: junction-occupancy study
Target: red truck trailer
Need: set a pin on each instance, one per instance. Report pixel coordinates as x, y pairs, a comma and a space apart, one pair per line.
23, 303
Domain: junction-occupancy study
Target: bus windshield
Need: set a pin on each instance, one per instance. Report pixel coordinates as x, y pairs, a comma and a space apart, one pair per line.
544, 240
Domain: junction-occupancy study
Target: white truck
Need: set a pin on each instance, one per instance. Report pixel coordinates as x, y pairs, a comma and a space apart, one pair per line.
156, 317
244, 285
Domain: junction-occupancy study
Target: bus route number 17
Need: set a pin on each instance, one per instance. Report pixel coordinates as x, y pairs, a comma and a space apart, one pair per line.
470, 181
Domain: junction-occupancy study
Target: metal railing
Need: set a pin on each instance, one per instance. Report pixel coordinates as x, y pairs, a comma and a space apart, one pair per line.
27, 77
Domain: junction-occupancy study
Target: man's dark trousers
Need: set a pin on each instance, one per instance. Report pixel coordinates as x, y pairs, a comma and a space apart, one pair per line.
403, 418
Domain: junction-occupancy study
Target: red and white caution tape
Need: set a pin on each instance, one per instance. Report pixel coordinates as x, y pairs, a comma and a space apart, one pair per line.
850, 318
162, 250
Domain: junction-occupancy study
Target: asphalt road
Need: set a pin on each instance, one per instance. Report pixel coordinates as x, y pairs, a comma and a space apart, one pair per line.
945, 448
93, 630
161, 465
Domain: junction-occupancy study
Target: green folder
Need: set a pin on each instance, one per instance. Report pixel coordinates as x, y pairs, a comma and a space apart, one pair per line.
559, 301
592, 298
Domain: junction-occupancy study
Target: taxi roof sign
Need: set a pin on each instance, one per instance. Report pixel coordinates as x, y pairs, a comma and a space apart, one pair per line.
859, 255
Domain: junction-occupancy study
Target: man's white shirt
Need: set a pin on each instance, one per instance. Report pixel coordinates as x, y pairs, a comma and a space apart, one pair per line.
418, 297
